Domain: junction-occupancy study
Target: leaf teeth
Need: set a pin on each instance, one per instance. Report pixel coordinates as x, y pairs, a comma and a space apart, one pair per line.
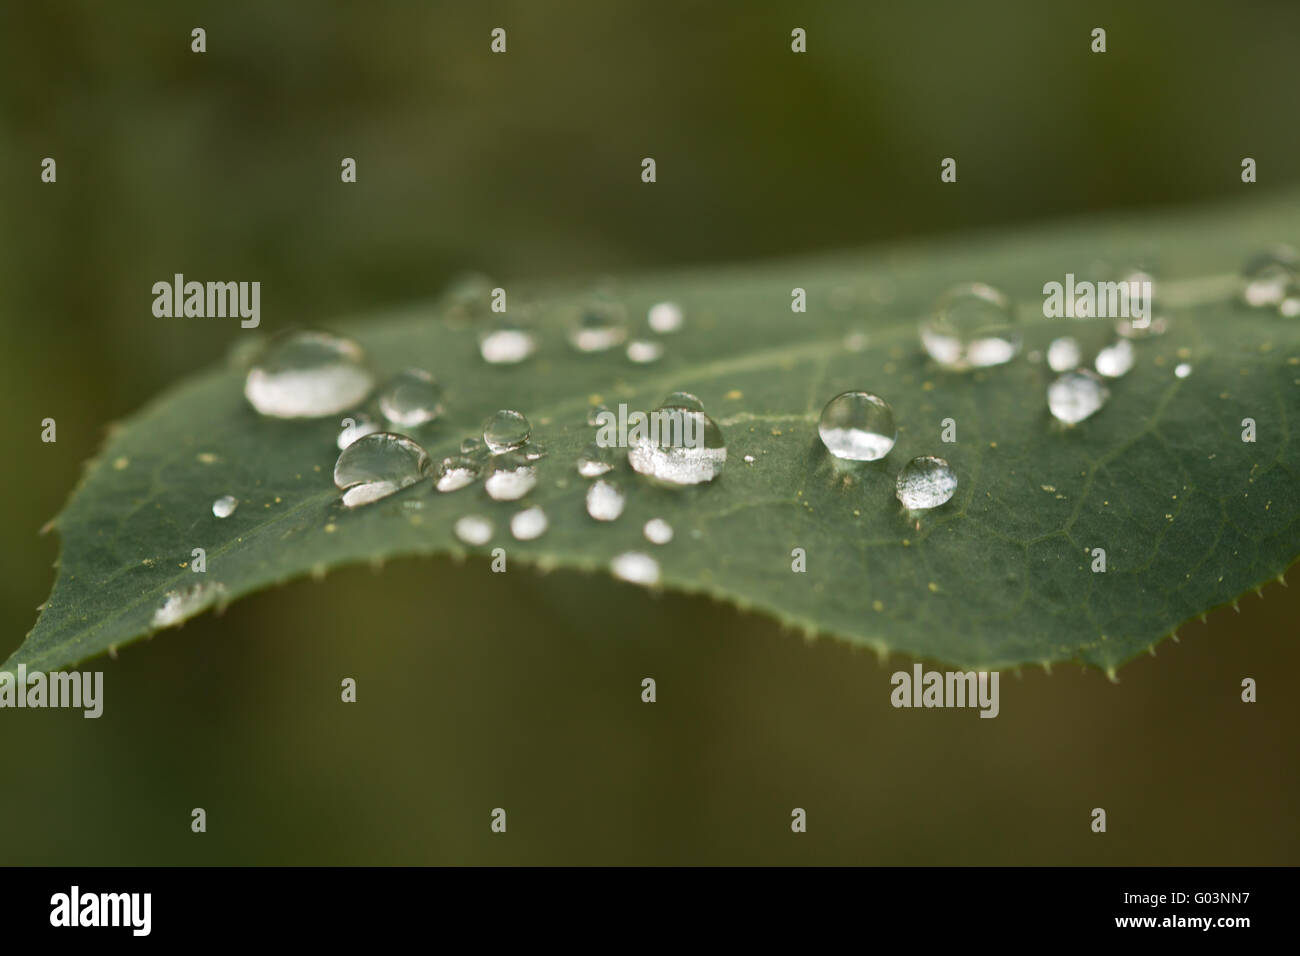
1111, 675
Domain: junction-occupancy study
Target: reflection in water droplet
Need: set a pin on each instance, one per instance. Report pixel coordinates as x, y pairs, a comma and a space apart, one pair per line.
971, 326
658, 531
635, 567
681, 446
308, 375
1115, 360
604, 500
1182, 370
1267, 275
600, 327
474, 448
456, 472
643, 351
510, 477
506, 431
411, 398
474, 529
1076, 395
377, 466
529, 524
665, 317
506, 344
858, 426
925, 482
1063, 354
683, 400
361, 425
534, 451
180, 605
595, 461
225, 506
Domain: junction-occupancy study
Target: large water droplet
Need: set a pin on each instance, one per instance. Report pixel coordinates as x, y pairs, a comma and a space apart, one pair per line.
456, 472
357, 426
925, 482
595, 461
377, 466
665, 317
506, 344
643, 351
1267, 275
1076, 395
971, 326
858, 426
681, 446
658, 531
182, 604
635, 567
473, 529
601, 326
510, 477
604, 501
411, 398
308, 375
506, 431
225, 506
1115, 360
529, 524
1063, 354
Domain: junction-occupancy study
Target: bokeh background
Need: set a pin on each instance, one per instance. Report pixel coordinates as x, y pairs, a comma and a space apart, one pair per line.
477, 691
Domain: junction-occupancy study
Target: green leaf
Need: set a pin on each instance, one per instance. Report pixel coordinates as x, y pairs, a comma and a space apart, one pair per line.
1190, 516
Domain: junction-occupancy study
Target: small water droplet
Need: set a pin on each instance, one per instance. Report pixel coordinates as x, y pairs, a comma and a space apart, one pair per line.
1182, 370
474, 448
180, 605
971, 326
456, 472
529, 524
594, 415
858, 426
1115, 360
506, 431
658, 531
361, 425
377, 466
855, 341
225, 506
604, 501
308, 375
643, 351
510, 477
925, 482
1267, 276
473, 529
635, 567
601, 326
534, 451
1063, 354
1076, 395
665, 317
411, 398
595, 461
506, 343
749, 459
682, 446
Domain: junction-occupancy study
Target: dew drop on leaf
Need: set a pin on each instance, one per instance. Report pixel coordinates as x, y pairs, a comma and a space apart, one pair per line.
658, 531
595, 461
604, 500
225, 506
506, 431
1115, 360
971, 326
858, 426
635, 567
682, 446
377, 466
456, 472
1267, 275
1063, 354
308, 375
411, 398
925, 482
473, 529
529, 524
506, 343
1075, 395
665, 317
510, 477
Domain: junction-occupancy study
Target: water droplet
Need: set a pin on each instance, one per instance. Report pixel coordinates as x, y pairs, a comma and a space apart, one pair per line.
377, 466
1063, 354
473, 529
643, 351
308, 375
682, 446
361, 426
595, 461
665, 317
594, 414
601, 326
749, 459
1289, 307
858, 426
411, 398
635, 567
1115, 360
604, 500
506, 343
683, 400
225, 506
971, 326
534, 451
183, 604
456, 472
1182, 370
658, 531
529, 524
925, 482
474, 448
506, 431
510, 477
1267, 276
1076, 395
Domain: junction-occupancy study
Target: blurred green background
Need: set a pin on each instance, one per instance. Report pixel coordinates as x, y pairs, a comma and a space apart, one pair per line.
517, 691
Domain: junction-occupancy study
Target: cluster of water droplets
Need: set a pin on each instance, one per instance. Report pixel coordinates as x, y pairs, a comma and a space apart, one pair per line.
1271, 279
